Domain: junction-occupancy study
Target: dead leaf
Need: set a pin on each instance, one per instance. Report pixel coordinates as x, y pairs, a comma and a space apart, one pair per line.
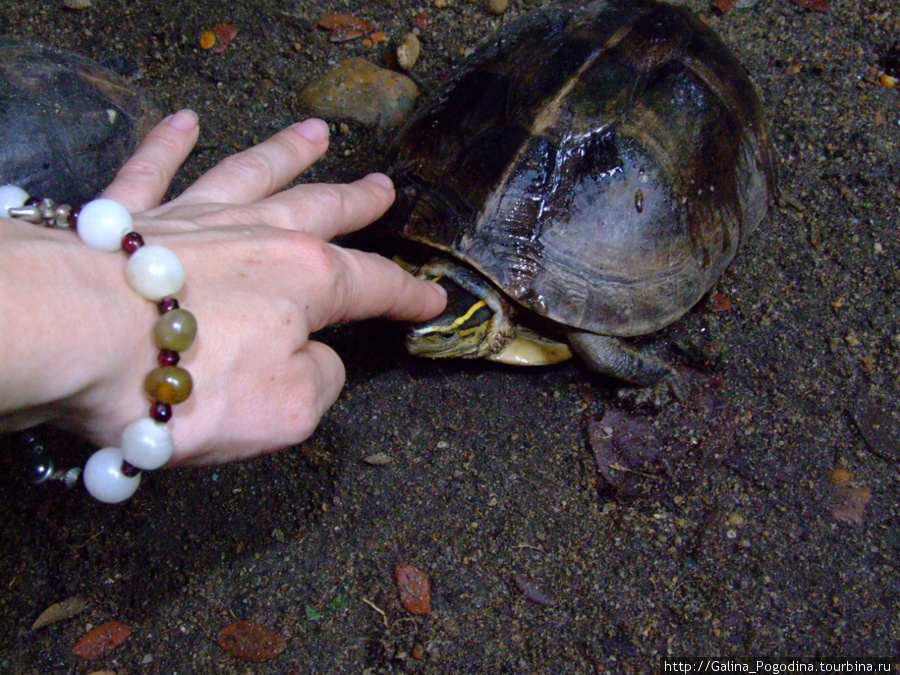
101, 639
818, 5
415, 589
720, 302
724, 5
59, 611
345, 27
248, 641
848, 502
226, 32
627, 451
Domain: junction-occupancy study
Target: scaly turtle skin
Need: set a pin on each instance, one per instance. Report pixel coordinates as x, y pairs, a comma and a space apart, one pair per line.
66, 124
587, 174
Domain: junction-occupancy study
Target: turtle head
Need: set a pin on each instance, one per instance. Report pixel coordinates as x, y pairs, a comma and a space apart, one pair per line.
475, 323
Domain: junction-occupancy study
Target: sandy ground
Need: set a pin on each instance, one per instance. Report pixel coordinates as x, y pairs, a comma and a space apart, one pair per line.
732, 540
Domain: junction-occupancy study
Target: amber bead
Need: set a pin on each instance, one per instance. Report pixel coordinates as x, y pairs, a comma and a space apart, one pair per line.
168, 384
175, 330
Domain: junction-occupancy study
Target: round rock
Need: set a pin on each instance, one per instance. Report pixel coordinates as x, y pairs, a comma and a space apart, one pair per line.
359, 90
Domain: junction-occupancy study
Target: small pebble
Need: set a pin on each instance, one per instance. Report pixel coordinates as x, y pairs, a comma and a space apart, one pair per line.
77, 4
533, 592
735, 519
496, 6
408, 51
378, 459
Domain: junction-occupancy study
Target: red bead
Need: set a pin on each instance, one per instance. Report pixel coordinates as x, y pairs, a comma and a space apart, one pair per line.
167, 305
129, 470
131, 242
168, 357
161, 412
72, 220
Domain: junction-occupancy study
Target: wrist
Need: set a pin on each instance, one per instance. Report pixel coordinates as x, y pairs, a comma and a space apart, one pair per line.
154, 273
71, 325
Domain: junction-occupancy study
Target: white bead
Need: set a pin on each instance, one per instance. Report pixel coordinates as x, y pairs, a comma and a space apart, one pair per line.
102, 223
104, 479
154, 272
11, 197
146, 444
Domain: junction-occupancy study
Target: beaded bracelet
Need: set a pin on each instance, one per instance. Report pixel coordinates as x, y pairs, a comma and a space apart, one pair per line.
155, 273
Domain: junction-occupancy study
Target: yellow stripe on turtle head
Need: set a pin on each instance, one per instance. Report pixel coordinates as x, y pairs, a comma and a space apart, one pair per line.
459, 321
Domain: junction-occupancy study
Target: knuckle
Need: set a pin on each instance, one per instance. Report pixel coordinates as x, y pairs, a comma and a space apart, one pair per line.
140, 170
333, 201
250, 166
323, 259
305, 412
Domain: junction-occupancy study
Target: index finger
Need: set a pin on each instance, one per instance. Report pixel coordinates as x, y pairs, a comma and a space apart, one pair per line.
142, 182
368, 285
262, 170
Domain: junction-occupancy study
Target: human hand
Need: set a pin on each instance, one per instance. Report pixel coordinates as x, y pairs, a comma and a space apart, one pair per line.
261, 277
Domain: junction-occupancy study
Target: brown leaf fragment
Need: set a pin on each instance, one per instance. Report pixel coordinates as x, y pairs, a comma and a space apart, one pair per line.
345, 27
415, 589
818, 5
248, 641
59, 611
627, 451
226, 32
720, 302
724, 5
534, 591
848, 501
101, 639
849, 504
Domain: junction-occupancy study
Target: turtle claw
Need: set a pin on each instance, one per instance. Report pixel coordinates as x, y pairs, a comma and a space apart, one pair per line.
659, 394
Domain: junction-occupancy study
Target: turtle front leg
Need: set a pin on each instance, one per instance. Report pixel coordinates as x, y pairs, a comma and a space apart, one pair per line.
611, 357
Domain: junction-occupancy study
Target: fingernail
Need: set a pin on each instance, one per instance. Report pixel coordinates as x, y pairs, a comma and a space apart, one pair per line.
441, 289
313, 129
381, 179
183, 120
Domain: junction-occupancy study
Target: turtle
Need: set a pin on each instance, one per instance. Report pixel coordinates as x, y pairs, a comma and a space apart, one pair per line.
584, 177
67, 124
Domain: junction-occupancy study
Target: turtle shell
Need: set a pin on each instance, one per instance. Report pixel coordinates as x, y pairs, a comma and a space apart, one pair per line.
66, 124
599, 163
